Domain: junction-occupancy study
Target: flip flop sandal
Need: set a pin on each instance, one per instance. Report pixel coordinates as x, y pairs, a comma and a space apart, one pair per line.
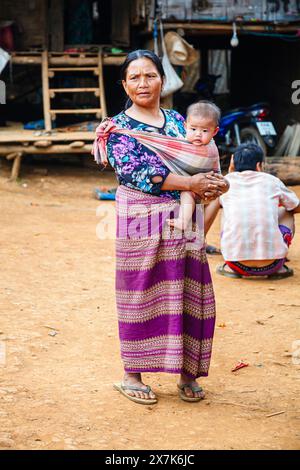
288, 272
212, 250
142, 401
112, 190
194, 388
221, 270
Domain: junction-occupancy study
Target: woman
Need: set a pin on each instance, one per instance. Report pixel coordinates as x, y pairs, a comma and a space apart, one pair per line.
165, 299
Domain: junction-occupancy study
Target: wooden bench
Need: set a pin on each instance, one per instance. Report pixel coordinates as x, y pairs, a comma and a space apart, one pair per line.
16, 143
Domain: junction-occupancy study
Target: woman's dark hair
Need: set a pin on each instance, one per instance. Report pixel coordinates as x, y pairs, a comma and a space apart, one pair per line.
247, 156
139, 54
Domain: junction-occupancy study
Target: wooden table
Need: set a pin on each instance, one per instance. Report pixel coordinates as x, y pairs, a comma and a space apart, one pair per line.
16, 143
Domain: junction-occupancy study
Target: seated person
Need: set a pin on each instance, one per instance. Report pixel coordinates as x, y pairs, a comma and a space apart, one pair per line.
258, 218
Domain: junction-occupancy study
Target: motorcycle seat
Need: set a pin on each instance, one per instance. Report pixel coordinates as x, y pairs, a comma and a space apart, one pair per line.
258, 105
237, 111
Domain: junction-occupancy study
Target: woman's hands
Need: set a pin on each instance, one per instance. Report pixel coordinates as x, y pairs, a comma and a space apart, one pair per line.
209, 186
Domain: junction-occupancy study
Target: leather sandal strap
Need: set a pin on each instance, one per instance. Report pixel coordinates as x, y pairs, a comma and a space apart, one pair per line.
136, 388
194, 388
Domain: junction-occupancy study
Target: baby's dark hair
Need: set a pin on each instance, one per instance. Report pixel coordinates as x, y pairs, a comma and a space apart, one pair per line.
247, 156
205, 109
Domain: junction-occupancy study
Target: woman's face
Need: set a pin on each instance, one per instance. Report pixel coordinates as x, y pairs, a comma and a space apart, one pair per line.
143, 82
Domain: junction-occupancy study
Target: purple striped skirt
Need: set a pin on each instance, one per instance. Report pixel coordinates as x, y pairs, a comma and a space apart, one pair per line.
164, 294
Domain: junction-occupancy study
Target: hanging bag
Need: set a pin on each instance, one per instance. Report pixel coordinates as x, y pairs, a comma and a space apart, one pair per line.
172, 81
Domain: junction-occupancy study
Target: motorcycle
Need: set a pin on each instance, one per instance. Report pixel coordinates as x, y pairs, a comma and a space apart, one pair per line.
240, 125
248, 124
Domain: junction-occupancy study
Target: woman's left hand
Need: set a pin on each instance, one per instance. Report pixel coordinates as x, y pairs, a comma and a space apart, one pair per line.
104, 127
222, 186
220, 181
99, 145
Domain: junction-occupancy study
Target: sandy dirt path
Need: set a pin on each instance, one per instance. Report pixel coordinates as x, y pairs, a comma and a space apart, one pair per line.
59, 350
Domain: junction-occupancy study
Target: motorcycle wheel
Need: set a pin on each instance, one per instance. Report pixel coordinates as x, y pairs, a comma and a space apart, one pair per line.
250, 134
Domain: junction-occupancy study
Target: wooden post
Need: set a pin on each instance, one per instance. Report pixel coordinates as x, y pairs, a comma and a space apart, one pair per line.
16, 166
46, 96
101, 85
12, 156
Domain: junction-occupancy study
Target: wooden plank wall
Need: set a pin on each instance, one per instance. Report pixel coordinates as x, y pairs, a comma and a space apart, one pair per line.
120, 34
56, 25
263, 69
285, 168
31, 18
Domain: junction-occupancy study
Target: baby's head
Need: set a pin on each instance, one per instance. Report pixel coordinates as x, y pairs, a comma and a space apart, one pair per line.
202, 122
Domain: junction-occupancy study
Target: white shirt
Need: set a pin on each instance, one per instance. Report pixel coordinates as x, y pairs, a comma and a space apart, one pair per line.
250, 216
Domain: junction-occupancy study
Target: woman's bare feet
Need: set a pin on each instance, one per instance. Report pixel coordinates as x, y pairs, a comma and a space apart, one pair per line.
184, 379
136, 379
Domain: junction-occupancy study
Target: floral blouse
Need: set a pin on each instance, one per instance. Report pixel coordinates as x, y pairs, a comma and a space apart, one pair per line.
134, 164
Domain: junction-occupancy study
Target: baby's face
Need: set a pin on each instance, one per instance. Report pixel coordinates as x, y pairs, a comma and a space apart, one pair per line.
200, 130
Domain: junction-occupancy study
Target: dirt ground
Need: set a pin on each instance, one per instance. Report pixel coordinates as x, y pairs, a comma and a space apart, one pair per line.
59, 350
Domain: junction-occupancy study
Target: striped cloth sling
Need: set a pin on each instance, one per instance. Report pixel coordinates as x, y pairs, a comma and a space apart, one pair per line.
179, 156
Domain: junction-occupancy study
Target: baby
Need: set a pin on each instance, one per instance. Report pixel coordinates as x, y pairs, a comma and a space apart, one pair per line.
202, 123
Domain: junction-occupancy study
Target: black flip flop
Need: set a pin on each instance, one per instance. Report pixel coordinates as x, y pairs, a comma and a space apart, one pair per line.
288, 273
221, 270
212, 250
